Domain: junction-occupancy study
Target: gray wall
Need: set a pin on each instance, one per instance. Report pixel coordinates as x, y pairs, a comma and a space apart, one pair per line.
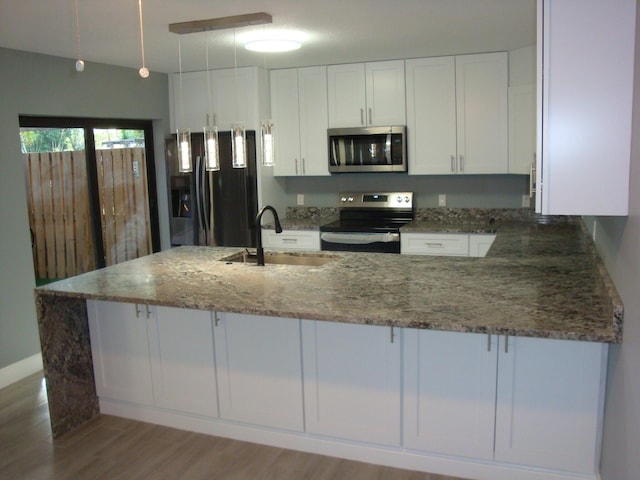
618, 240
42, 85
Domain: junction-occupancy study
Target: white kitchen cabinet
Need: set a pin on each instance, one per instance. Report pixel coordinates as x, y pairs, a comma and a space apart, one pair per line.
449, 392
585, 101
480, 243
352, 380
549, 403
299, 111
235, 96
431, 115
120, 350
443, 244
259, 370
457, 114
522, 129
366, 94
182, 361
291, 239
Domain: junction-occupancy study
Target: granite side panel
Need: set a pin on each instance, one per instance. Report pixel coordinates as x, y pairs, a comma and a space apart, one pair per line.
68, 366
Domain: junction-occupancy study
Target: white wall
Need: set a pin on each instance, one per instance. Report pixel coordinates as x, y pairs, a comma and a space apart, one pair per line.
32, 84
618, 240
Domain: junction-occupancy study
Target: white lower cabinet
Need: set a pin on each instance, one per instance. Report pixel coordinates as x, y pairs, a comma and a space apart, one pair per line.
291, 239
182, 362
446, 244
259, 370
352, 381
449, 392
120, 349
549, 403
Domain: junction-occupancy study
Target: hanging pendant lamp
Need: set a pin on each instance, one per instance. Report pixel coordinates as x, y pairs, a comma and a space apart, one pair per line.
183, 135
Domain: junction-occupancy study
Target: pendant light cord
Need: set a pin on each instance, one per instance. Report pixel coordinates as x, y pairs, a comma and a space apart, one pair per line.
180, 80
78, 31
141, 31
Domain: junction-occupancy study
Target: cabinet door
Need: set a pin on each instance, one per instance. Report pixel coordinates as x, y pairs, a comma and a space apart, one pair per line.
385, 87
549, 404
431, 115
347, 96
522, 128
120, 349
314, 118
182, 363
586, 95
259, 370
235, 97
189, 106
482, 106
352, 381
284, 111
449, 392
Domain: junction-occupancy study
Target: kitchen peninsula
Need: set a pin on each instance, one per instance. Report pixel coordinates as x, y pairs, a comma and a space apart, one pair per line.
541, 291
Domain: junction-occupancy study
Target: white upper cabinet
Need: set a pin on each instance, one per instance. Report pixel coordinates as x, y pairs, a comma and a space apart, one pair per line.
235, 96
522, 128
482, 112
299, 112
457, 114
371, 94
585, 100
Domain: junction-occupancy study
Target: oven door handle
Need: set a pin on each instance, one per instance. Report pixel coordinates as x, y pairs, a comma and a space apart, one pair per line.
359, 238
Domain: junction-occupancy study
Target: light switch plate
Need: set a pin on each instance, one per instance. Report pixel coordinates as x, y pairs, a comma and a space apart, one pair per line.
442, 200
300, 200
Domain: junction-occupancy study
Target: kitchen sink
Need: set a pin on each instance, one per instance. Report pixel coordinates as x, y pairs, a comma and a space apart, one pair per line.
300, 259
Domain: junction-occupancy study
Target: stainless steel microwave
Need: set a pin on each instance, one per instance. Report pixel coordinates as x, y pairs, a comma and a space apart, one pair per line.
368, 149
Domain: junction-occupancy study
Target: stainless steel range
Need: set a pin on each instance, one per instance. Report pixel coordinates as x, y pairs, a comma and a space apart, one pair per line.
369, 222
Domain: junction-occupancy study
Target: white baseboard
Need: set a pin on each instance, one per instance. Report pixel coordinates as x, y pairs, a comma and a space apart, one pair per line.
388, 456
19, 370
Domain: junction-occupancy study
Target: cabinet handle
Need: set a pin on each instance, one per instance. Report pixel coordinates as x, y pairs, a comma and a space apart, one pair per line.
304, 167
532, 178
138, 310
216, 320
433, 244
453, 164
392, 334
146, 306
296, 166
489, 343
362, 116
289, 240
506, 344
370, 116
462, 163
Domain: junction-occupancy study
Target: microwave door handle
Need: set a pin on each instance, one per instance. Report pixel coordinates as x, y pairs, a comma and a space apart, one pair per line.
387, 149
334, 153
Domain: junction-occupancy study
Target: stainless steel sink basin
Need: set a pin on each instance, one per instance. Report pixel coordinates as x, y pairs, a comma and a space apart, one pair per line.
300, 259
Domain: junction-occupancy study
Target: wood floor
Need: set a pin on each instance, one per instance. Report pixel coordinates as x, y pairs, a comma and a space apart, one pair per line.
117, 449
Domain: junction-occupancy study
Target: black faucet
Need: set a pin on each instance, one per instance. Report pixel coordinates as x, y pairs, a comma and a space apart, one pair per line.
259, 249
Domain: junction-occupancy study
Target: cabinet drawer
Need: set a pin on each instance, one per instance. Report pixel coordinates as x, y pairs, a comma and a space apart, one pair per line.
434, 244
291, 239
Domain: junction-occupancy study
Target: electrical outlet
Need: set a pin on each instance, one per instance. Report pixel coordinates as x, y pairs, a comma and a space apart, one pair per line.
300, 199
526, 201
442, 200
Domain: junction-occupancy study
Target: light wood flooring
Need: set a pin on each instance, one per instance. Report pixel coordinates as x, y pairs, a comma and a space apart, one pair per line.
117, 449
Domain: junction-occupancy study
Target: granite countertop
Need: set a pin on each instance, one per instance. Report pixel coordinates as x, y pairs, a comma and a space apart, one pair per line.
541, 280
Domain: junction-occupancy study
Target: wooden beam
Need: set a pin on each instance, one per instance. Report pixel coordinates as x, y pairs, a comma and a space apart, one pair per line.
196, 26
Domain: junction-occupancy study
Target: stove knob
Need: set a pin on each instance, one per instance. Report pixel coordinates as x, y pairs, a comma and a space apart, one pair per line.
399, 199
343, 199
406, 199
350, 199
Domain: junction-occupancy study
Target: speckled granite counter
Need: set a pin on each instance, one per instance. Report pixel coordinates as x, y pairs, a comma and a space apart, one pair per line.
540, 280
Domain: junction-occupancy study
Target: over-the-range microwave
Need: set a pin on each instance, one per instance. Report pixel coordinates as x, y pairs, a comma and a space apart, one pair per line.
368, 149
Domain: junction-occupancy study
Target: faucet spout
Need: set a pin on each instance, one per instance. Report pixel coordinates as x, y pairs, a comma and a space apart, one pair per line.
278, 229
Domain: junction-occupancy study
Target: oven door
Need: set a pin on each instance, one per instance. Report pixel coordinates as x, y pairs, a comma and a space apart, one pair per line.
387, 242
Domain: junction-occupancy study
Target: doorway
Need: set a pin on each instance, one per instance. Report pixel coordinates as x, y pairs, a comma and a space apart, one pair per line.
90, 192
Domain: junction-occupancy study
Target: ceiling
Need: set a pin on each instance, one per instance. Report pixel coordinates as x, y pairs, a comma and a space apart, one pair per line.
339, 31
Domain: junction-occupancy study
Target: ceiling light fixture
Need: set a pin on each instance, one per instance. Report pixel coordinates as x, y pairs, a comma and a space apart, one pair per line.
212, 153
144, 71
79, 62
183, 136
273, 45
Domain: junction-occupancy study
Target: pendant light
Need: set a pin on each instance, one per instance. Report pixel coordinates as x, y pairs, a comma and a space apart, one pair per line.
79, 62
212, 154
238, 133
184, 135
144, 71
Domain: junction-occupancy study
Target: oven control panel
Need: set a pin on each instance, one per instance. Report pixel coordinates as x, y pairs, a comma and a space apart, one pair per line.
377, 200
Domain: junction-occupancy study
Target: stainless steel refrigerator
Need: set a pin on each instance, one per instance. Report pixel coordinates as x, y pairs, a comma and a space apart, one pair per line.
212, 208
